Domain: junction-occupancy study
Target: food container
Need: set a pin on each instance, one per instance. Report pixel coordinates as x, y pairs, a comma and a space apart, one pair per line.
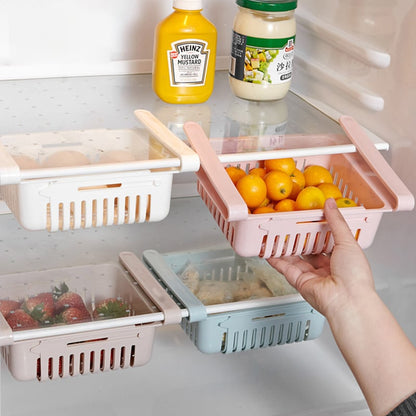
124, 305
359, 170
79, 179
262, 50
233, 303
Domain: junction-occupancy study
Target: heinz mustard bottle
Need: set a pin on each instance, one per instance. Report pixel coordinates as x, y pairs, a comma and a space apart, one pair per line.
184, 55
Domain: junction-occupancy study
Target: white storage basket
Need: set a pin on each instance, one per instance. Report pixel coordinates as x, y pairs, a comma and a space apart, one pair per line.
116, 176
56, 350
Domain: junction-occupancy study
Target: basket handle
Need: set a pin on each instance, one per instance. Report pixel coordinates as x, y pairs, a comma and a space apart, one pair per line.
158, 265
231, 204
189, 160
403, 197
9, 169
148, 284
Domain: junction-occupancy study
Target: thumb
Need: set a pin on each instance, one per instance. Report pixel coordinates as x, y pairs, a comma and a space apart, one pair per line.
337, 223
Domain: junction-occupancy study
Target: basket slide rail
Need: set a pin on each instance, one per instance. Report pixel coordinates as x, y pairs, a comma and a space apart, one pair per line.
404, 200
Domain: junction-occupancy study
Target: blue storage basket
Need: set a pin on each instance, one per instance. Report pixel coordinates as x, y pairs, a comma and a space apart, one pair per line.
234, 326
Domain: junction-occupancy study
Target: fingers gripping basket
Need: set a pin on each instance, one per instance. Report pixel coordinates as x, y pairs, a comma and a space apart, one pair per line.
91, 178
248, 319
118, 341
361, 174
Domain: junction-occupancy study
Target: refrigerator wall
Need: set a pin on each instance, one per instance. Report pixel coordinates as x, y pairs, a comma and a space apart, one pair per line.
355, 57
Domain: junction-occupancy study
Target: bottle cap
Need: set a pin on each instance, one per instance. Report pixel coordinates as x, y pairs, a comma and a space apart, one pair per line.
187, 4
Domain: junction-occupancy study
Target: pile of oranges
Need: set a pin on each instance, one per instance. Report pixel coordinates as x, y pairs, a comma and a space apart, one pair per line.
279, 186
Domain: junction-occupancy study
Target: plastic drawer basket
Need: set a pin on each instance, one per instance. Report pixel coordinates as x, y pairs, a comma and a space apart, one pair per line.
359, 170
98, 345
234, 326
91, 178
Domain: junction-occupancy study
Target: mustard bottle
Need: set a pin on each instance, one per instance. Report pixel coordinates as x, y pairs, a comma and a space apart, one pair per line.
184, 55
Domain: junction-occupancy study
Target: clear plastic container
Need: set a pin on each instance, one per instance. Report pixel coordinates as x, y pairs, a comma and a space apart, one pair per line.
263, 49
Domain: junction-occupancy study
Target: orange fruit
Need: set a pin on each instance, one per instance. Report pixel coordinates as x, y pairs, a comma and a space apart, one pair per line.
330, 190
235, 173
279, 185
258, 171
285, 205
316, 174
310, 197
265, 202
253, 190
263, 210
287, 165
345, 203
298, 179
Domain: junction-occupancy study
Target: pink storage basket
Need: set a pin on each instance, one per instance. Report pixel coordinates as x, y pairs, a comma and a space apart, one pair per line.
362, 175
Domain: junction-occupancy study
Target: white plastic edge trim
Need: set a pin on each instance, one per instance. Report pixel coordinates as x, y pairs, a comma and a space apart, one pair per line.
368, 99
151, 318
343, 40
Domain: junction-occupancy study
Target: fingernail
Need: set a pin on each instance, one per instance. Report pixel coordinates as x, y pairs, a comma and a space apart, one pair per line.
330, 203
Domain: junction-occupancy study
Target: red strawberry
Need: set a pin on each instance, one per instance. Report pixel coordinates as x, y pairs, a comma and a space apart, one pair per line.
40, 307
111, 308
6, 306
19, 319
66, 299
74, 315
69, 300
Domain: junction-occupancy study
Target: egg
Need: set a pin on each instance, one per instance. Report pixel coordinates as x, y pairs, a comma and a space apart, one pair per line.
65, 158
116, 156
26, 162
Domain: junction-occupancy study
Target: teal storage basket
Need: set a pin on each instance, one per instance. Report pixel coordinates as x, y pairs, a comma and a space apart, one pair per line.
234, 326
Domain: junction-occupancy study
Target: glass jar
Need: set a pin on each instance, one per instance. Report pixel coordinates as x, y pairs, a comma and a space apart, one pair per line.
262, 49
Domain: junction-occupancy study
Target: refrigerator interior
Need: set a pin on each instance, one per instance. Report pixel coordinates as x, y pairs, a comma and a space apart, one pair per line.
83, 78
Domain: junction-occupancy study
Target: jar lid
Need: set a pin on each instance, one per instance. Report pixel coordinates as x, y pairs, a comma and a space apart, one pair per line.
268, 5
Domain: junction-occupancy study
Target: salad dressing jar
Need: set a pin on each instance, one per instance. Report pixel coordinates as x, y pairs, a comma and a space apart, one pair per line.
262, 49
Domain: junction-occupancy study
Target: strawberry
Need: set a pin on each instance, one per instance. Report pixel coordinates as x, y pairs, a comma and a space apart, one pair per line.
40, 307
66, 299
6, 306
19, 319
74, 315
111, 308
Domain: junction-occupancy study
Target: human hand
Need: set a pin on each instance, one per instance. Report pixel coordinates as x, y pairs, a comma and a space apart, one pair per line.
330, 282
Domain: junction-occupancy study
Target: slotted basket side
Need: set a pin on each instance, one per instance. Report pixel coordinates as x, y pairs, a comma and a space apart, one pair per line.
255, 328
305, 232
73, 355
85, 202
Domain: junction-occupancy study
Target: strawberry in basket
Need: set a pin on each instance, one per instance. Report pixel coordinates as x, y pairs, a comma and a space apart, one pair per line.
74, 315
19, 319
40, 307
111, 308
6, 306
69, 306
66, 299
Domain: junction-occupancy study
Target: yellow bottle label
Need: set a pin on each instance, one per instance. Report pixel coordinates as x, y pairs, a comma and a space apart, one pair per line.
188, 61
184, 58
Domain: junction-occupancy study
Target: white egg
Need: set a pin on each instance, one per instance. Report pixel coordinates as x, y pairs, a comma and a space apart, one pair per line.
114, 156
65, 158
26, 162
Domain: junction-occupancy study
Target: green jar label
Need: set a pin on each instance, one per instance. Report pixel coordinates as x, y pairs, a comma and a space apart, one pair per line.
260, 60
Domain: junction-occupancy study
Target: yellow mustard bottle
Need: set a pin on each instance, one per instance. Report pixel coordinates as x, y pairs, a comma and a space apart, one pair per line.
184, 55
